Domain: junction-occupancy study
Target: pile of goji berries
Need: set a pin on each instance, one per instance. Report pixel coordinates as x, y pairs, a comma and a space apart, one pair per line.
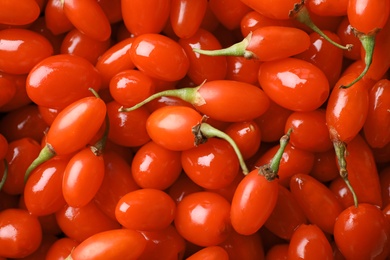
194, 129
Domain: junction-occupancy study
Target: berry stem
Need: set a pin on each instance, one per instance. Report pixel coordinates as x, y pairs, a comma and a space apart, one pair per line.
45, 154
270, 170
203, 131
368, 43
5, 174
341, 151
301, 14
237, 49
189, 95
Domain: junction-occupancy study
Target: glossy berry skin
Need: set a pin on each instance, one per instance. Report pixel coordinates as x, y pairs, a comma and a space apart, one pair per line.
82, 177
23, 122
286, 216
212, 165
309, 242
167, 123
76, 125
203, 67
79, 44
22, 233
81, 223
21, 13
250, 208
310, 131
59, 80
127, 129
329, 7
112, 244
264, 45
272, 122
362, 232
130, 87
272, 9
347, 109
318, 203
231, 101
294, 84
115, 60
43, 191
242, 69
186, 16
203, 218
117, 182
245, 246
367, 16
61, 248
182, 187
247, 136
157, 56
55, 19
163, 244
211, 253
154, 15
346, 35
153, 166
363, 172
377, 125
20, 154
22, 49
89, 18
146, 210
293, 161
325, 55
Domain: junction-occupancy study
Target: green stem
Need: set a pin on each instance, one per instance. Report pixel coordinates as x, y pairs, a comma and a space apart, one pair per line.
5, 174
341, 150
94, 92
270, 170
45, 154
189, 95
204, 131
368, 43
301, 14
238, 49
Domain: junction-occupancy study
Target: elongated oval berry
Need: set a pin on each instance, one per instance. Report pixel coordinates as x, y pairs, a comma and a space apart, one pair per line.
89, 18
294, 84
224, 100
146, 210
253, 202
72, 129
166, 124
19, 12
59, 80
159, 57
21, 50
113, 244
75, 126
82, 178
264, 44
